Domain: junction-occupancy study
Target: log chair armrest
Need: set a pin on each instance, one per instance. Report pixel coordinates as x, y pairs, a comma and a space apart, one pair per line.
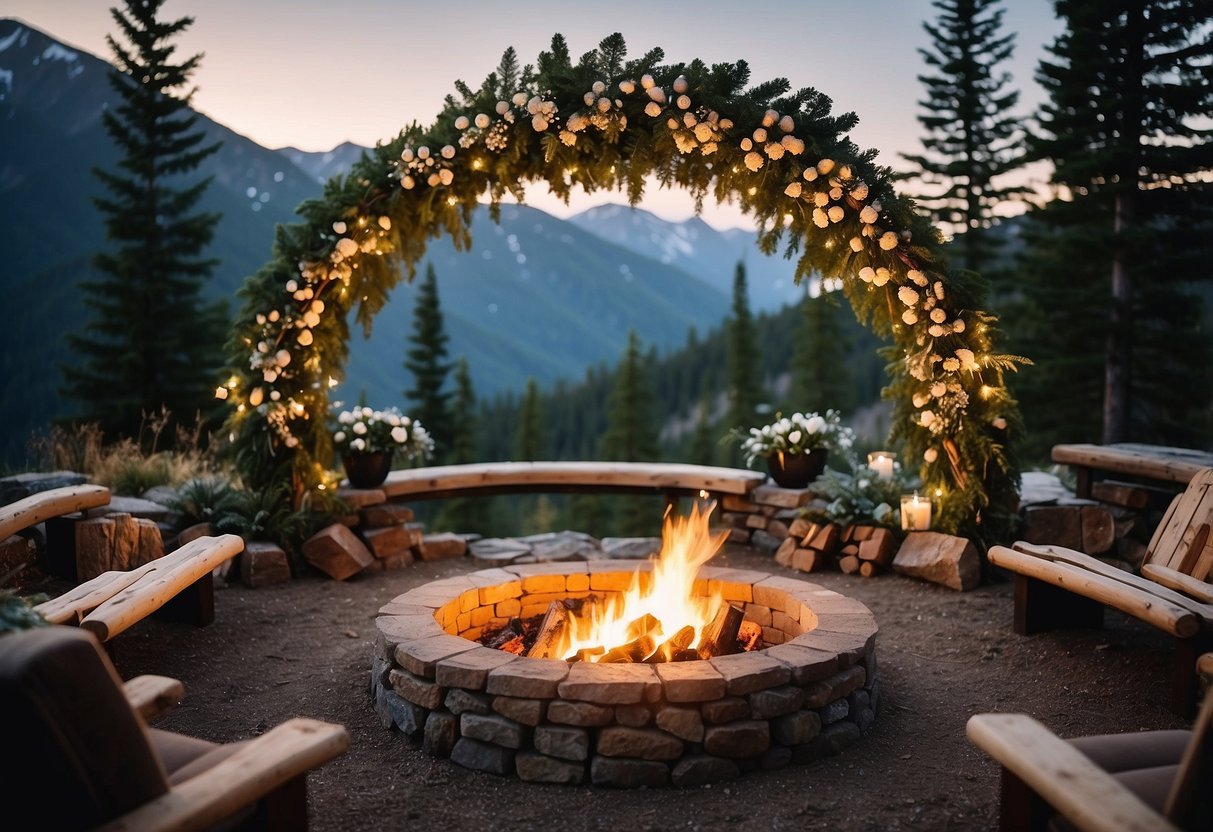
43, 505
1066, 779
153, 696
267, 762
1168, 577
1129, 594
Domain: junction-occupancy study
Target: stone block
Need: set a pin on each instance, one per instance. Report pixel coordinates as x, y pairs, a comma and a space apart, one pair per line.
764, 541
699, 769
493, 728
538, 768
532, 678
630, 547
807, 665
611, 684
741, 536
725, 709
565, 743
441, 732
773, 495
483, 756
644, 743
690, 681
470, 668
738, 740
416, 689
263, 564
840, 736
796, 728
747, 672
624, 773
382, 515
684, 723
939, 558
441, 546
773, 702
835, 711
839, 685
459, 701
387, 541
404, 628
524, 711
395, 710
633, 716
422, 656
337, 552
583, 714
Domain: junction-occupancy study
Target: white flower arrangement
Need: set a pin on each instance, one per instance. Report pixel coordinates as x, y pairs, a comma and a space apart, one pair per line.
365, 430
797, 434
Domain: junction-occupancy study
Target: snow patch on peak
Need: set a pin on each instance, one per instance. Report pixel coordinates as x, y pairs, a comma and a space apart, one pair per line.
11, 39
58, 52
6, 81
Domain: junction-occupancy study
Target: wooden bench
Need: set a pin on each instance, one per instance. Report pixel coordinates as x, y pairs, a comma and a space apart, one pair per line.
485, 478
1172, 466
43, 505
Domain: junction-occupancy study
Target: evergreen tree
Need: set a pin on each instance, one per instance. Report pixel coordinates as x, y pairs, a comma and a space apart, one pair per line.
743, 361
702, 448
1129, 89
631, 434
972, 138
529, 442
819, 367
426, 361
461, 514
152, 342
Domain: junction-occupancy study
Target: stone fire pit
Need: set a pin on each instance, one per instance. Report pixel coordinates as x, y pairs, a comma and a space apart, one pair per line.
812, 693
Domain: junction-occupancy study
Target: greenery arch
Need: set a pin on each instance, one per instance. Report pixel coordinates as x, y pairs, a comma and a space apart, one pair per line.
606, 122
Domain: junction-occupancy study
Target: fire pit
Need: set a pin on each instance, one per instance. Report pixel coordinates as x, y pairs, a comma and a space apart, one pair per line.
810, 692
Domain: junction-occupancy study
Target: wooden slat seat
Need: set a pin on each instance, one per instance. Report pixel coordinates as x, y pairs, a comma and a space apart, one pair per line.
505, 477
1058, 587
1175, 466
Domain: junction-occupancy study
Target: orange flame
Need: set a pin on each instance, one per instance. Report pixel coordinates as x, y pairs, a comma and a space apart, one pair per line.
687, 543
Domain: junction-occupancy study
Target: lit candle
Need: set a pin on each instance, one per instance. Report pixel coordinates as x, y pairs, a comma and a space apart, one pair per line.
915, 513
882, 463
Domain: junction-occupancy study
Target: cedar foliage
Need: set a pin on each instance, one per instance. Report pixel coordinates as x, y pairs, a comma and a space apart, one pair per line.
1115, 266
151, 344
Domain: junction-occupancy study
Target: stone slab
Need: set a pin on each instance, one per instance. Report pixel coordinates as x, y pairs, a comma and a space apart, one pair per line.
539, 768
684, 723
700, 769
611, 684
528, 712
416, 689
470, 668
483, 756
441, 733
691, 681
585, 714
624, 773
643, 743
738, 740
725, 709
422, 656
773, 702
529, 678
940, 558
807, 665
567, 743
494, 729
441, 546
747, 672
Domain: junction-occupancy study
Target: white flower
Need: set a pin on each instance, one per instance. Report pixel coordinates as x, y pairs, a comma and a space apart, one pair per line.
794, 437
339, 436
754, 161
930, 455
627, 87
359, 428
652, 109
657, 94
793, 190
888, 241
815, 424
907, 296
868, 215
400, 435
462, 123
786, 124
856, 244
860, 191
358, 444
825, 166
680, 84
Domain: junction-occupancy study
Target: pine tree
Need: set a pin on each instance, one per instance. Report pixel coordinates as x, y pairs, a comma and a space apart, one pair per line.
1129, 88
972, 138
461, 514
426, 361
820, 379
631, 434
529, 443
152, 343
743, 362
702, 447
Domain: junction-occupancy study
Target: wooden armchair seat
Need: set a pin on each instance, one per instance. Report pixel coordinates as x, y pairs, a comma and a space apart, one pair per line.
1058, 587
80, 756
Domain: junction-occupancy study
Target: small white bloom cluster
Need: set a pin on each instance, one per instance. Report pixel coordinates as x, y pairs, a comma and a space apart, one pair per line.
773, 147
366, 430
798, 433
423, 165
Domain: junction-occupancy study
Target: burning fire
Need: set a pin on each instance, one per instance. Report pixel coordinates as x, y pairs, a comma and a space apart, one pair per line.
658, 615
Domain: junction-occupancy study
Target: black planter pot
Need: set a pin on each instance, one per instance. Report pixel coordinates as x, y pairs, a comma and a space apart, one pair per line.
367, 470
797, 470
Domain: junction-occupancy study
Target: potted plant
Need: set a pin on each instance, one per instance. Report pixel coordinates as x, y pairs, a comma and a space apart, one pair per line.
369, 439
796, 447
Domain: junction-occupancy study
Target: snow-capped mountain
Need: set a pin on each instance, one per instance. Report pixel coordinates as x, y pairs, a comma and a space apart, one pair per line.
325, 164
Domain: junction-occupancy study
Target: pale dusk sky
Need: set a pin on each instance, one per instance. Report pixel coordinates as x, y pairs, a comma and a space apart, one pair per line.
314, 74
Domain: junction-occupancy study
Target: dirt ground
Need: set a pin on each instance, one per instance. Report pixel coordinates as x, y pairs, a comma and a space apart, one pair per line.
304, 649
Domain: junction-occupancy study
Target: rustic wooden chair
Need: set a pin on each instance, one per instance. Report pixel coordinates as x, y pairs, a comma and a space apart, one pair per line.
1152, 780
1058, 587
79, 755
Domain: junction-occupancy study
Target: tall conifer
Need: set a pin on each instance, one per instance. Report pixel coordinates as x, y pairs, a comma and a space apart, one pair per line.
743, 361
426, 361
1130, 86
820, 380
972, 138
529, 441
631, 434
461, 514
152, 342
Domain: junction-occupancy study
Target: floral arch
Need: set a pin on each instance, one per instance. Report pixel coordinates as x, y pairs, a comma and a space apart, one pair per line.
606, 122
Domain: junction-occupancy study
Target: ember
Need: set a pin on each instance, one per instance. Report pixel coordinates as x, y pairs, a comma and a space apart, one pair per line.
658, 620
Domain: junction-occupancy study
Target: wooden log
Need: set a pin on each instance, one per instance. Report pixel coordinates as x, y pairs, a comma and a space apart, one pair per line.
1059, 525
94, 547
879, 548
809, 560
1155, 462
37, 508
1098, 530
1204, 666
1121, 493
825, 540
673, 645
869, 568
1168, 577
73, 605
720, 637
849, 549
799, 527
1141, 603
151, 696
552, 631
634, 651
849, 565
164, 579
750, 635
783, 555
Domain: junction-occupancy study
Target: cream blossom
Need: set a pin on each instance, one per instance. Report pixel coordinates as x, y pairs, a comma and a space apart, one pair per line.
680, 84
652, 109
907, 296
793, 190
825, 166
860, 191
868, 215
627, 87
856, 244
888, 240
930, 455
754, 161
820, 219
